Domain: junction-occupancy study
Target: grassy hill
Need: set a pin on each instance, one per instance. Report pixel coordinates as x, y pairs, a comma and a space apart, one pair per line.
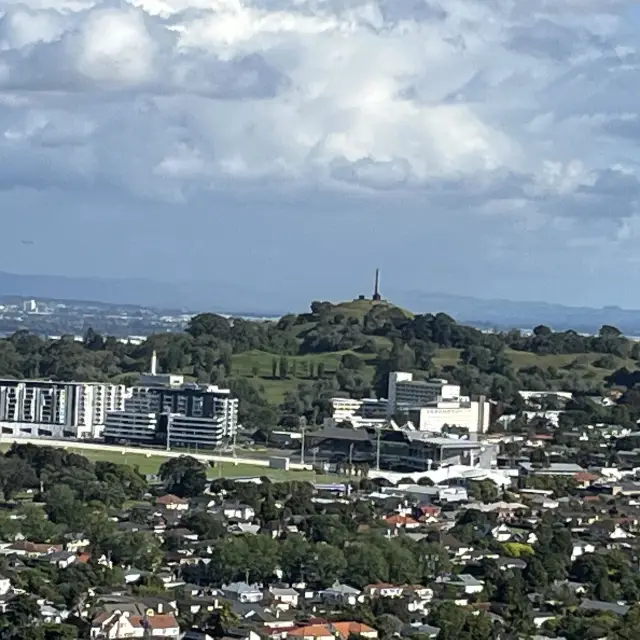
274, 389
257, 366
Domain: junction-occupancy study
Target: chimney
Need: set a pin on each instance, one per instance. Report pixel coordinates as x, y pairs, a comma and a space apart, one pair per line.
154, 363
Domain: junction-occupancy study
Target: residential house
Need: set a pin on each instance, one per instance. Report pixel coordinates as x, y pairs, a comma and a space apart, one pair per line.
501, 533
346, 629
342, 594
580, 548
239, 528
238, 512
383, 590
604, 607
118, 625
425, 630
464, 581
285, 596
312, 632
5, 585
401, 521
608, 530
505, 564
172, 503
30, 549
454, 546
62, 559
243, 592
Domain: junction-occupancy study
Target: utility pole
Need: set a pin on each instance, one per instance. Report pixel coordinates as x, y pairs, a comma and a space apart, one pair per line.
378, 434
168, 432
303, 426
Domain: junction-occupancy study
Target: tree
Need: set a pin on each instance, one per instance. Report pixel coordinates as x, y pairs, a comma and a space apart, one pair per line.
351, 361
16, 475
22, 612
325, 565
205, 524
209, 324
283, 367
185, 476
366, 564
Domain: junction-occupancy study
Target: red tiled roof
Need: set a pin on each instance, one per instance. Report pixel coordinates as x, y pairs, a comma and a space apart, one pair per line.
400, 520
158, 621
345, 629
585, 476
32, 547
170, 499
314, 630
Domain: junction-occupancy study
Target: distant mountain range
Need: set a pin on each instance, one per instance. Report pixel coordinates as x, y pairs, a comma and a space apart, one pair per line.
522, 315
198, 296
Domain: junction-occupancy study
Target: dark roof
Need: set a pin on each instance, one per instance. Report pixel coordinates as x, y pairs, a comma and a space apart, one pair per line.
336, 433
608, 607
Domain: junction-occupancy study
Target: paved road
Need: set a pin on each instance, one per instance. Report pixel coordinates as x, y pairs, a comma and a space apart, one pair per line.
204, 457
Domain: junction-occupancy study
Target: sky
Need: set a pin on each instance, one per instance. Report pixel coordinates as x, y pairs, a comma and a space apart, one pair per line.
475, 147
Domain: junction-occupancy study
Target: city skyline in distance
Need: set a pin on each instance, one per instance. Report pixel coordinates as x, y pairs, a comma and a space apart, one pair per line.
197, 297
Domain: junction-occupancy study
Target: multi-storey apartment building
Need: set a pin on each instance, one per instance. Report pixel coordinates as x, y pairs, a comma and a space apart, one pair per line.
57, 409
164, 409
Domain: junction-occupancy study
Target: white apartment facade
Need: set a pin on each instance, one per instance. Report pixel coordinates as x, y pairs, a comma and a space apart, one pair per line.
57, 409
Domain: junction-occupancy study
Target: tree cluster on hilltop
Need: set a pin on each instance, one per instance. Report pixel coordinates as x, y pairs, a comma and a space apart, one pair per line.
373, 340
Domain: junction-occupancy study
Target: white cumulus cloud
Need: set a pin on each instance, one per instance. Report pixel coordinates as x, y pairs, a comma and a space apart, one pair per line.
496, 110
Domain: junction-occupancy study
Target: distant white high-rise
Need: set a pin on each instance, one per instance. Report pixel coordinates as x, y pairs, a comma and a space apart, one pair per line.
30, 306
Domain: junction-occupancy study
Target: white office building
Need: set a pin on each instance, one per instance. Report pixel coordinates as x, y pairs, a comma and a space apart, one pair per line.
432, 404
472, 415
406, 393
57, 409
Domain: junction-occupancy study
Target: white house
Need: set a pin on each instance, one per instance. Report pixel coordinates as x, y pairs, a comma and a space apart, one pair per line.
382, 590
5, 585
243, 592
118, 625
468, 583
580, 548
285, 596
502, 533
343, 594
238, 512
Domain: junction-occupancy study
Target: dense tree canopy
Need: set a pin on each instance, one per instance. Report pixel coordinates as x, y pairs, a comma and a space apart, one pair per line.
368, 342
